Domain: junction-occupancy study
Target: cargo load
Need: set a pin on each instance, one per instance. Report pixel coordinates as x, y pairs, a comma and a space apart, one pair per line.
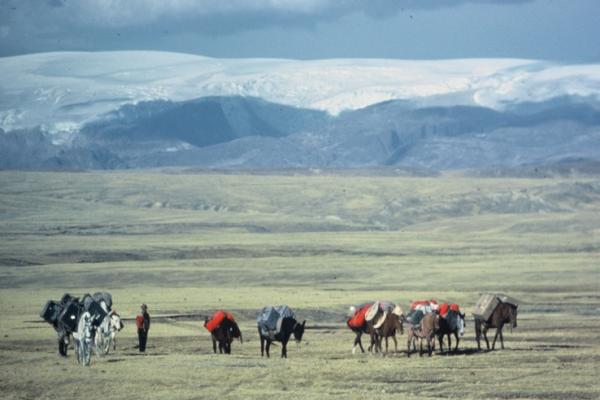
66, 299
96, 311
414, 317
217, 319
445, 307
358, 319
485, 306
385, 306
487, 303
51, 311
426, 306
64, 314
104, 297
270, 318
69, 316
507, 299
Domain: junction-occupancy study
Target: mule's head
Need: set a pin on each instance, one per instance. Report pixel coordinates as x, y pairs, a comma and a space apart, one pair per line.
461, 323
115, 322
233, 330
436, 322
513, 317
299, 331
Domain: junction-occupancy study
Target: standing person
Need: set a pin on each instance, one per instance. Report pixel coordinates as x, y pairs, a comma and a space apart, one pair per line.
142, 322
63, 339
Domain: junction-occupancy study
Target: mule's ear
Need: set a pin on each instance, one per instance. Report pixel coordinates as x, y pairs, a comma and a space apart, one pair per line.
303, 323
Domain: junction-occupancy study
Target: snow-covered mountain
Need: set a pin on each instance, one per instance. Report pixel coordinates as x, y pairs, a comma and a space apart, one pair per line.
132, 109
63, 90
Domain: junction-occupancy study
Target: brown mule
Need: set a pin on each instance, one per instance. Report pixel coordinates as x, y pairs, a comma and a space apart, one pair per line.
430, 324
504, 313
391, 325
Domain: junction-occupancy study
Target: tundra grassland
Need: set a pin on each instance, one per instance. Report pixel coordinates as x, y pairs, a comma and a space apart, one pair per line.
188, 243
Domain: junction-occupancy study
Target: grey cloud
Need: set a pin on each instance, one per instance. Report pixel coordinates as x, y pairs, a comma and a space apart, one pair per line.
123, 13
47, 25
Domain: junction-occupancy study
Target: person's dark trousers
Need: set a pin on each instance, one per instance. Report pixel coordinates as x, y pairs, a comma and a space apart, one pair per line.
62, 346
142, 338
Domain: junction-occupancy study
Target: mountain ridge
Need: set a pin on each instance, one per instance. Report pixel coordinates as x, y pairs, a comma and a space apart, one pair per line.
151, 109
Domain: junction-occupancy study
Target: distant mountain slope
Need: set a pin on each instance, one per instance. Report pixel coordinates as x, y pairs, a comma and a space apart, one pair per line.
391, 133
152, 109
203, 122
234, 132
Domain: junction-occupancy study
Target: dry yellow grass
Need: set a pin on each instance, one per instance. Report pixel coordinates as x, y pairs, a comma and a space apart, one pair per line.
193, 243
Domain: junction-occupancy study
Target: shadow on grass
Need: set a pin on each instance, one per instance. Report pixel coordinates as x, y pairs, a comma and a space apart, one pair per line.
461, 352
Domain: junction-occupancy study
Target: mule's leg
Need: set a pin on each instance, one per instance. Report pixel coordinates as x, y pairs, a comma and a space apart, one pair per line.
457, 340
484, 332
262, 346
501, 339
374, 344
395, 344
359, 338
214, 341
478, 334
284, 349
498, 330
429, 346
449, 343
441, 340
386, 345
408, 343
357, 343
420, 347
268, 347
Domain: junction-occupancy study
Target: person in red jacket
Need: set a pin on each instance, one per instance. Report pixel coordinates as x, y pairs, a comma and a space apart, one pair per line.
142, 322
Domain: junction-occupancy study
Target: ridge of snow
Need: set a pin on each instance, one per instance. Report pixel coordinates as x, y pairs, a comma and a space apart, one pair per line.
68, 89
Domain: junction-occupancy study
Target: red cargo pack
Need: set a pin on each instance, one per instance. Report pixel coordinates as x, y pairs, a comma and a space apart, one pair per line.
217, 319
444, 309
358, 319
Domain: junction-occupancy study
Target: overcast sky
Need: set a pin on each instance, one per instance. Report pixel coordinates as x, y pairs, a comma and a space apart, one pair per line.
561, 30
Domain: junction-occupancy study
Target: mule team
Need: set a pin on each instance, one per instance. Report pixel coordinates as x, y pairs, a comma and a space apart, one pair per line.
426, 321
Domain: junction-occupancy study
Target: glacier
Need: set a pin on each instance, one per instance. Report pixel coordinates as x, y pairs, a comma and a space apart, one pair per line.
62, 91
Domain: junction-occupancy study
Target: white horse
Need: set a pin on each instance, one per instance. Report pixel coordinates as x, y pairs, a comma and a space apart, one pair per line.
84, 338
106, 333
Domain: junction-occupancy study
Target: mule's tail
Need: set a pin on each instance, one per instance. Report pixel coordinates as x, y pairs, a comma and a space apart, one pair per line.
241, 339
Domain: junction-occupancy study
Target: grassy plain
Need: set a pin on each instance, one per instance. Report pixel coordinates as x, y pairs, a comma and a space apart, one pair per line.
193, 242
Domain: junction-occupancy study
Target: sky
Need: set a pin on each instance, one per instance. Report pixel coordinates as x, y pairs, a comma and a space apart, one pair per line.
558, 30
